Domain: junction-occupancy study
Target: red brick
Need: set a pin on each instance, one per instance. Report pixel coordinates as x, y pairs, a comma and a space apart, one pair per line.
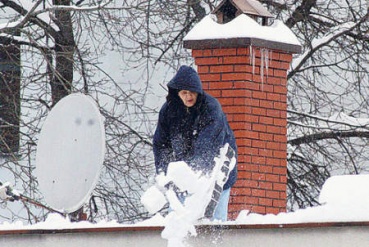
245, 134
242, 175
272, 178
221, 69
208, 61
273, 96
236, 208
280, 154
266, 104
258, 177
236, 109
280, 89
274, 64
279, 203
259, 95
226, 101
279, 73
241, 191
197, 53
272, 194
243, 143
236, 60
265, 202
267, 88
236, 76
265, 136
282, 122
273, 146
259, 127
242, 101
280, 105
259, 111
266, 168
277, 81
285, 57
266, 153
215, 93
243, 68
242, 183
252, 167
258, 209
273, 210
279, 187
258, 144
225, 52
280, 138
279, 170
243, 51
237, 93
274, 129
239, 199
267, 186
210, 77
203, 69
258, 193
239, 125
284, 65
216, 84
266, 120
252, 119
273, 113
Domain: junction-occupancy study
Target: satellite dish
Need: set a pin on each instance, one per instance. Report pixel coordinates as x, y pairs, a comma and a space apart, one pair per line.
70, 152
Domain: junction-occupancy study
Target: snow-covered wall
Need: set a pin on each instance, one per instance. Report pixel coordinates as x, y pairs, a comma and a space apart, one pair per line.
350, 234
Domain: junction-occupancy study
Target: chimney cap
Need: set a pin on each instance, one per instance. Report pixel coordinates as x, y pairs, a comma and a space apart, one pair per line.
251, 7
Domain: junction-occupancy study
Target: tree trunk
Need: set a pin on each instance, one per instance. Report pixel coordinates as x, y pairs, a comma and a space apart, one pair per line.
61, 83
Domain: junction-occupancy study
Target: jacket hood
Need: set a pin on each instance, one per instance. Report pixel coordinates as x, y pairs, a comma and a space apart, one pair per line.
186, 79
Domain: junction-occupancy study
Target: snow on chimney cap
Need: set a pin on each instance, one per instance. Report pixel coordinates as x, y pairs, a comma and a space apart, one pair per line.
241, 32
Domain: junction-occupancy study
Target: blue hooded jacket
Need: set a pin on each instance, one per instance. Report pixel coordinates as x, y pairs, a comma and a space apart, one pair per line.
191, 134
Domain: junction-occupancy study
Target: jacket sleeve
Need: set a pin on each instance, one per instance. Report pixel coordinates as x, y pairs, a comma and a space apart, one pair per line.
162, 147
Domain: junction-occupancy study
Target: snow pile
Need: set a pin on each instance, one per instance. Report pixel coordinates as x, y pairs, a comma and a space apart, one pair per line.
188, 193
343, 199
241, 27
55, 221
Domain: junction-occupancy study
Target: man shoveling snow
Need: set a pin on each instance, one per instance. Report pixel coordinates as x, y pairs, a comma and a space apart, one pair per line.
192, 127
191, 169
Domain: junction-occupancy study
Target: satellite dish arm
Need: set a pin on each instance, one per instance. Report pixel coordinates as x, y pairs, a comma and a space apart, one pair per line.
7, 193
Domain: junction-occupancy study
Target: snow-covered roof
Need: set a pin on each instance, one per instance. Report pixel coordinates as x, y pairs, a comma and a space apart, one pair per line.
252, 7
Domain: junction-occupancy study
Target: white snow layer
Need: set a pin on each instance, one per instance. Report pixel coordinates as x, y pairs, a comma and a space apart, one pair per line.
343, 198
242, 27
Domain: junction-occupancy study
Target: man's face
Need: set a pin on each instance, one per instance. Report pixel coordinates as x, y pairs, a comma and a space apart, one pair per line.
189, 98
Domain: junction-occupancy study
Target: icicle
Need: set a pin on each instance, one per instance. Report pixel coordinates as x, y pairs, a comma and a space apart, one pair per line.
267, 63
262, 51
250, 47
253, 61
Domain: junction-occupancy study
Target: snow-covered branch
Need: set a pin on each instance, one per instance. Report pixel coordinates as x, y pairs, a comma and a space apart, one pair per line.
338, 125
99, 6
328, 135
337, 31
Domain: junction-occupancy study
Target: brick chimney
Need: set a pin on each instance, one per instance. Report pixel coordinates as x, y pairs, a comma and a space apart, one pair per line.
248, 75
